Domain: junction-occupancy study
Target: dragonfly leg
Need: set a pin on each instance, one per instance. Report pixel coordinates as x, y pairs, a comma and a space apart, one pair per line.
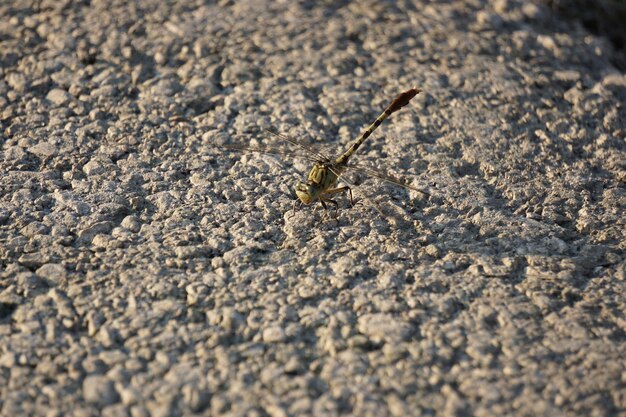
334, 203
340, 190
325, 207
327, 211
296, 205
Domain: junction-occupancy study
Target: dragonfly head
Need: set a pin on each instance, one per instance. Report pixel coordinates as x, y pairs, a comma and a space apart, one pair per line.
307, 192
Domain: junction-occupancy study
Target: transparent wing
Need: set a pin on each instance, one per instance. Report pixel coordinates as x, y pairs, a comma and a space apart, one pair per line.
352, 185
310, 150
266, 151
384, 176
306, 148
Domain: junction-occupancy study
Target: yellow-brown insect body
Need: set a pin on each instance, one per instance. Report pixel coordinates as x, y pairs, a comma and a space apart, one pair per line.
324, 174
322, 177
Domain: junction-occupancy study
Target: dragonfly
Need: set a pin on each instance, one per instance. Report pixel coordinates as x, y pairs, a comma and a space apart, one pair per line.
322, 181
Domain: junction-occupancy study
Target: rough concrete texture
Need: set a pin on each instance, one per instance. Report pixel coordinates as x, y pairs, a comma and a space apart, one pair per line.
149, 271
603, 17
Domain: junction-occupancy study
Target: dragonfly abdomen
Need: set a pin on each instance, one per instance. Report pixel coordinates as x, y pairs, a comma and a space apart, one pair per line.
399, 102
347, 154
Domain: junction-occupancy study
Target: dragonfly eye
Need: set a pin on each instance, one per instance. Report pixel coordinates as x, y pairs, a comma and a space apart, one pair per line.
305, 192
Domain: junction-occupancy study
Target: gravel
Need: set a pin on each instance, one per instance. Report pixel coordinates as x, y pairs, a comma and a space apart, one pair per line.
149, 269
99, 390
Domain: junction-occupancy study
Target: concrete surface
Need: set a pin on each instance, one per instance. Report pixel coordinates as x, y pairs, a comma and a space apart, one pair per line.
148, 271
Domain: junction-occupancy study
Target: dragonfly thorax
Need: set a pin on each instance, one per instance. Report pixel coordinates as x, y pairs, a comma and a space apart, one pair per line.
322, 177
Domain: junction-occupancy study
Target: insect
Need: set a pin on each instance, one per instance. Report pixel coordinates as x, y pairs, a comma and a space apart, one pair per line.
321, 183
323, 177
